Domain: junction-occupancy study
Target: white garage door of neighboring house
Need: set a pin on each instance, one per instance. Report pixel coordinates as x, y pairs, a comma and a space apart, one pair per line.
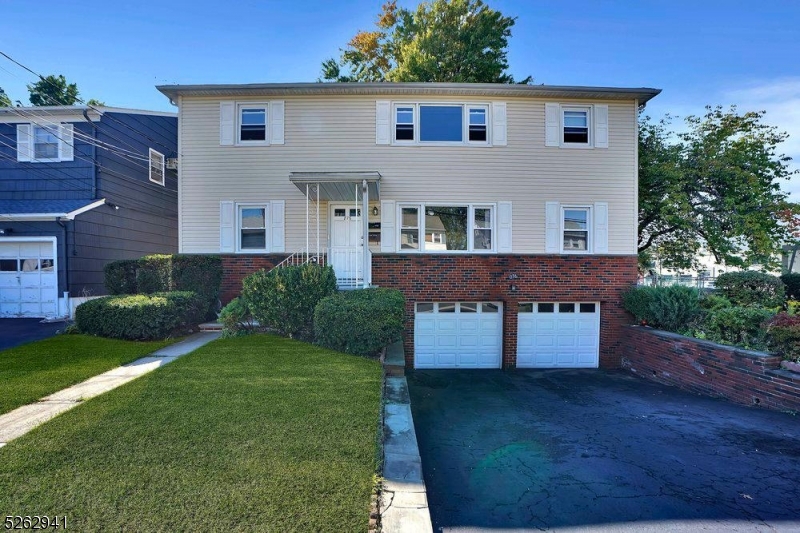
458, 335
28, 278
558, 335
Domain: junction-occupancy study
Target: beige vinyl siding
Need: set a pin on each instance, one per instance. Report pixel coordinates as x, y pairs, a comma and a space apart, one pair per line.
338, 134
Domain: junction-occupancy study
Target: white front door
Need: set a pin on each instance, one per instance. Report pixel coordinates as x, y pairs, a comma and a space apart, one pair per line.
558, 335
28, 278
458, 335
346, 251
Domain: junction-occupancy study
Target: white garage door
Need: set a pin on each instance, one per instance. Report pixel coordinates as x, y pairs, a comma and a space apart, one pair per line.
558, 335
28, 278
458, 335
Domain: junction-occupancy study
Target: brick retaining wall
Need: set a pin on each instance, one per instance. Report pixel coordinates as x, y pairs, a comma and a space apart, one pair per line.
742, 376
236, 267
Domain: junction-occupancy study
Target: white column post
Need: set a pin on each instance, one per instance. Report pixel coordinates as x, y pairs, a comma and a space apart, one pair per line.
365, 224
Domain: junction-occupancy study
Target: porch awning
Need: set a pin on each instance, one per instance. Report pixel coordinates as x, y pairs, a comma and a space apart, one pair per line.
338, 186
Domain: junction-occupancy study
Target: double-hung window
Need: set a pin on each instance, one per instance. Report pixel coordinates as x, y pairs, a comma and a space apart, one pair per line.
252, 228
575, 234
156, 167
444, 123
575, 123
46, 143
252, 123
447, 228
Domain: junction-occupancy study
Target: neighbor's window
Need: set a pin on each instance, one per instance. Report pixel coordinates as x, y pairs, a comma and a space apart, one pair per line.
156, 167
576, 125
252, 228
447, 228
252, 123
45, 142
575, 229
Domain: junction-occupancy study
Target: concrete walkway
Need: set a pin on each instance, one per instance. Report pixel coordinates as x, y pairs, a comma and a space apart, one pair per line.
22, 420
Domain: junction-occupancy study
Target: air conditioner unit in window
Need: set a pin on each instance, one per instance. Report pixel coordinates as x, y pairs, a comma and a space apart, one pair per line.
172, 163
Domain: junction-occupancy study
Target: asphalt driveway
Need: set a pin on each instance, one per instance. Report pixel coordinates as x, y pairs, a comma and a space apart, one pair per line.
595, 450
16, 331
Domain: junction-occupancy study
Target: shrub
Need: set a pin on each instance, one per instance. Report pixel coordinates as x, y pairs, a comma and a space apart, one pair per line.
792, 283
360, 322
751, 289
140, 316
201, 274
154, 274
284, 298
713, 302
120, 276
783, 336
236, 319
741, 326
672, 308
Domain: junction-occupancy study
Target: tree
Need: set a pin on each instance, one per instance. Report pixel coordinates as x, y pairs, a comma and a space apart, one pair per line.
93, 102
5, 101
716, 187
441, 41
53, 90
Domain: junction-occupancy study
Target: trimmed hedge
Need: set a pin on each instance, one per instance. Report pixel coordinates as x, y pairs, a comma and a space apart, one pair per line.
284, 299
161, 273
140, 316
360, 322
751, 289
236, 319
673, 308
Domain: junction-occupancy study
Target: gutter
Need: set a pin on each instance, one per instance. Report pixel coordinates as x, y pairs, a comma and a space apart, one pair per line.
94, 151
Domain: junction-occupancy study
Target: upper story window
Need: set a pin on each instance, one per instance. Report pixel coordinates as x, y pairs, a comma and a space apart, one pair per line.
575, 224
156, 167
447, 228
575, 125
44, 142
252, 123
441, 124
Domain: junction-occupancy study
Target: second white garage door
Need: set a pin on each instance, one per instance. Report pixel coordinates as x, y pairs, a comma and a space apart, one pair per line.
558, 335
458, 335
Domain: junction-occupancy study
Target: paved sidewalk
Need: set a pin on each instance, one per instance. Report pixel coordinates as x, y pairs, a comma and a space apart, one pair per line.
22, 420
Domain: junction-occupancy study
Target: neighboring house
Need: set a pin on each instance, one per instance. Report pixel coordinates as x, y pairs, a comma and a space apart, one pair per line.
506, 214
80, 187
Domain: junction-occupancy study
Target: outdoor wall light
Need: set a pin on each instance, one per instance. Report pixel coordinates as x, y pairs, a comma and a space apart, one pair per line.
513, 288
375, 211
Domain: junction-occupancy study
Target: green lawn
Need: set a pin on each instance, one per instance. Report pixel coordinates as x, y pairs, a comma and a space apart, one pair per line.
32, 371
254, 433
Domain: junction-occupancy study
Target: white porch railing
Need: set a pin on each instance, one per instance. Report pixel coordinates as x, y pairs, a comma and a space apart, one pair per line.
347, 263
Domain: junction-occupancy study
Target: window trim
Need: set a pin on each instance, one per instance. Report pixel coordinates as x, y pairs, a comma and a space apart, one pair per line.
239, 206
156, 153
238, 123
421, 229
588, 108
589, 229
465, 109
59, 143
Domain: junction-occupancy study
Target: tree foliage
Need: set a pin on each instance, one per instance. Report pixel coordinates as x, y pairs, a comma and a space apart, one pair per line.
441, 41
53, 90
5, 101
715, 186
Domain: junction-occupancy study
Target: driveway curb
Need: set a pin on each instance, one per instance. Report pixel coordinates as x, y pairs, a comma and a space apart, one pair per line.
404, 502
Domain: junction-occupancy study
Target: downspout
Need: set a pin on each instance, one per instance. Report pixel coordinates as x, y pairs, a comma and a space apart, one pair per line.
66, 265
365, 232
94, 153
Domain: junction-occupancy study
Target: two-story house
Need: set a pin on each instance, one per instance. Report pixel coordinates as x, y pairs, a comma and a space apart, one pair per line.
506, 214
79, 187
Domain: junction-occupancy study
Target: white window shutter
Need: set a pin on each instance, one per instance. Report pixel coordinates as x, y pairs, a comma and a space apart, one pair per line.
227, 228
24, 142
552, 225
388, 220
601, 126
276, 111
67, 142
278, 208
601, 227
552, 128
504, 227
227, 123
499, 124
383, 121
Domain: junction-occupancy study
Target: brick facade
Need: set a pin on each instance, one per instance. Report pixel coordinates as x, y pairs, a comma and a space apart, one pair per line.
742, 376
549, 278
236, 267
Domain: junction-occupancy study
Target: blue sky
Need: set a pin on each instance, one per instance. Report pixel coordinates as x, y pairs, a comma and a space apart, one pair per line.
699, 52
